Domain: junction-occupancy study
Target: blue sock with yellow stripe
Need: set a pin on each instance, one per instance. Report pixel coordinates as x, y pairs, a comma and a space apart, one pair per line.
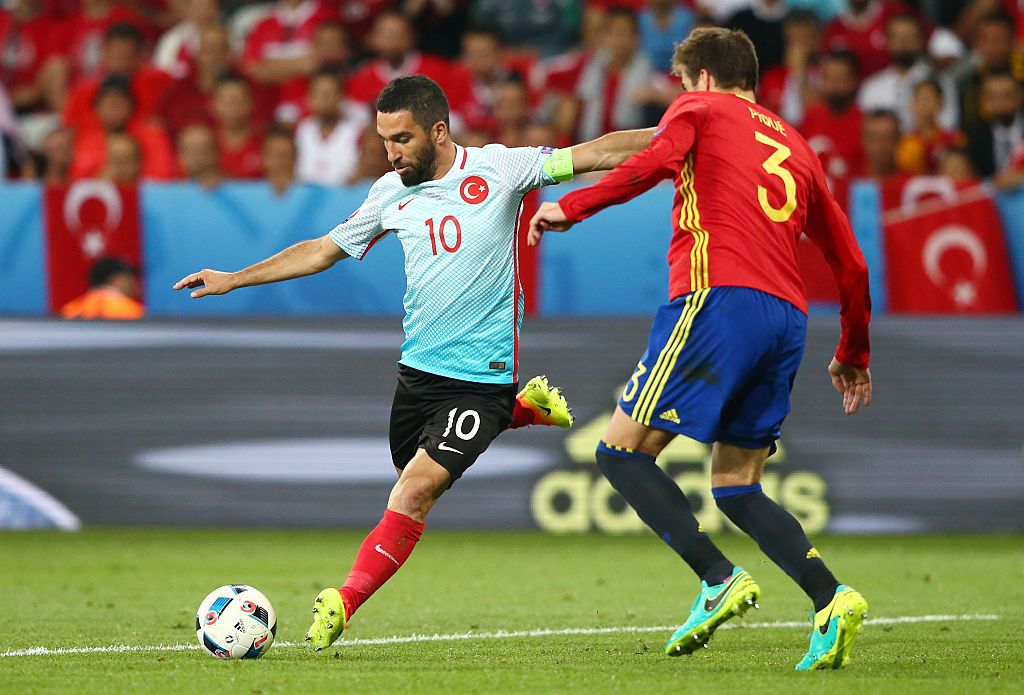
664, 508
780, 537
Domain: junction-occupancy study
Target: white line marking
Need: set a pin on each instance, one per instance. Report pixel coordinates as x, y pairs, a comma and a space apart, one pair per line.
500, 634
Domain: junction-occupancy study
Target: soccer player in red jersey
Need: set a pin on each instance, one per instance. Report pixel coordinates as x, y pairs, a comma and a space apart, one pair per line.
723, 353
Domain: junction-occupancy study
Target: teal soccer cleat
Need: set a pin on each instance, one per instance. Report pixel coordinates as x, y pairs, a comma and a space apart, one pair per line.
834, 628
712, 607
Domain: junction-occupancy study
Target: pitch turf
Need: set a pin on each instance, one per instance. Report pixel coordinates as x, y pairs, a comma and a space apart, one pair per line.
141, 587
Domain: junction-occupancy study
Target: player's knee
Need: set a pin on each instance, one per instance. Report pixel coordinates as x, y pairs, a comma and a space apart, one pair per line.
414, 495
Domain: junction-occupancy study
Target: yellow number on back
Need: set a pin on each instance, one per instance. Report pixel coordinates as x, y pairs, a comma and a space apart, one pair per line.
773, 165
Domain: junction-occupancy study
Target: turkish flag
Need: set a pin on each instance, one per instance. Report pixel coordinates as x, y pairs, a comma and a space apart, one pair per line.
85, 221
948, 256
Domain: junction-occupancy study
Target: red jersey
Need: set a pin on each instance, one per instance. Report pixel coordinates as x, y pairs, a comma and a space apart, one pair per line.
82, 38
747, 187
863, 36
365, 83
24, 47
147, 85
835, 137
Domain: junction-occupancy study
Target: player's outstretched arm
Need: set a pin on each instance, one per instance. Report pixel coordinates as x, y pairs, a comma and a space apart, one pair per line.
854, 385
304, 258
609, 150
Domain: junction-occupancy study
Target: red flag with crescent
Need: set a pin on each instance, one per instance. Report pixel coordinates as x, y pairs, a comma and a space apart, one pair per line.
87, 220
947, 254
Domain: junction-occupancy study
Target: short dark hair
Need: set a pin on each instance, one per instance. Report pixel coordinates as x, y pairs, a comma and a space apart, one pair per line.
999, 74
124, 30
107, 267
115, 83
230, 77
844, 55
727, 54
419, 95
279, 132
326, 71
625, 13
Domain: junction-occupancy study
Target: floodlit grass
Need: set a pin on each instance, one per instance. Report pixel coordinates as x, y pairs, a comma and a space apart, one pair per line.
142, 587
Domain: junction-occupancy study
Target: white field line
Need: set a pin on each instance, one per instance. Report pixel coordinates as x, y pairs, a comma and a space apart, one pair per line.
500, 634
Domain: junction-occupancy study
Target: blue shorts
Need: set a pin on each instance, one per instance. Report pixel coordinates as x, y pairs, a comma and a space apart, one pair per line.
719, 366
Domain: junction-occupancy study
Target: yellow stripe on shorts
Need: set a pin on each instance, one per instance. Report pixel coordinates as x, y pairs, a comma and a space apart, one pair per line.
667, 359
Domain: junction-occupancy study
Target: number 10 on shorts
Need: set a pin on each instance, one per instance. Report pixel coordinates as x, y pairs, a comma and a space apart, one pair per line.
466, 426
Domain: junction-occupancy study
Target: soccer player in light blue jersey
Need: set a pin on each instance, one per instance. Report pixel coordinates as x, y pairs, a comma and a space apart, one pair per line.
456, 212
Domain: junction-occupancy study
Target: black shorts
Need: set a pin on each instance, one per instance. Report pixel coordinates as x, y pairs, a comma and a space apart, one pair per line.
453, 420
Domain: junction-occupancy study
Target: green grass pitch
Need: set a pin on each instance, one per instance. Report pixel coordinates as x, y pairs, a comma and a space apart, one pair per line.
141, 588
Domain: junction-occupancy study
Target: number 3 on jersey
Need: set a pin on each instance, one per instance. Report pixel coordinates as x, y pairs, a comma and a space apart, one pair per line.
773, 165
441, 232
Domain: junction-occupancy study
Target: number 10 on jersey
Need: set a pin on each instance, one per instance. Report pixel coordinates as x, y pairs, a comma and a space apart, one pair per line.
444, 234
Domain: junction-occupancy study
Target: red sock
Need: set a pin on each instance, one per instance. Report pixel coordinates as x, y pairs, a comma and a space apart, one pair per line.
521, 416
385, 549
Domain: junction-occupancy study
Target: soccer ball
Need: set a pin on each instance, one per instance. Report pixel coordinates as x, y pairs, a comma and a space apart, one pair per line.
236, 622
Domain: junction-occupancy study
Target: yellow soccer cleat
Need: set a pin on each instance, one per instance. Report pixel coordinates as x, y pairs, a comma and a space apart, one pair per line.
834, 628
329, 619
712, 607
547, 404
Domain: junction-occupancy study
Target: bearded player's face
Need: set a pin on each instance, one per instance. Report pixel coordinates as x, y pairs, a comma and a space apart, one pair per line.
412, 151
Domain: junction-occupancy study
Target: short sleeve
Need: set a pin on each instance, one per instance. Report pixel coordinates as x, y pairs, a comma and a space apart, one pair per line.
362, 229
523, 167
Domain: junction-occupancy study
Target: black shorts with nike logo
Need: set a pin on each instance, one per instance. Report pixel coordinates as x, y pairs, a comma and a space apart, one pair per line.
453, 420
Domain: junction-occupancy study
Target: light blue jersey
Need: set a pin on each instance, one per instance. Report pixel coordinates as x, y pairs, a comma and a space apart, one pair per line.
463, 299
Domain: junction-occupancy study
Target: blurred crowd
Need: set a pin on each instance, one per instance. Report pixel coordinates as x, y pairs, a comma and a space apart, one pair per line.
209, 90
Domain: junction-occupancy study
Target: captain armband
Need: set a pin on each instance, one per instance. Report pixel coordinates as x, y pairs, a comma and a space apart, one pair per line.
559, 165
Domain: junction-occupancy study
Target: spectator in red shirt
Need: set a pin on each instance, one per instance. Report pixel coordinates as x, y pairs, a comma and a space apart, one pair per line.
562, 74
393, 42
85, 32
176, 50
114, 110
122, 56
786, 87
197, 155
239, 141
616, 84
920, 150
331, 51
358, 16
279, 48
189, 99
481, 61
124, 159
29, 38
860, 28
831, 126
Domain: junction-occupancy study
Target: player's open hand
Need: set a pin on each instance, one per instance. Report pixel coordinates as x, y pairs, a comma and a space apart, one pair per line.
853, 384
206, 282
549, 218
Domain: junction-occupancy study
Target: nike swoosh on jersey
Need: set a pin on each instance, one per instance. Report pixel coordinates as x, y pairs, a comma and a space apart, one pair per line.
711, 604
402, 205
444, 447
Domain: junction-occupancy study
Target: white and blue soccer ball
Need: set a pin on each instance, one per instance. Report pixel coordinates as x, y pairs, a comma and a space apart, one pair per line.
236, 622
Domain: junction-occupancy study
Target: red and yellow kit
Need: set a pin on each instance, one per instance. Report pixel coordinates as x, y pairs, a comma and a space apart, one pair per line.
747, 186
